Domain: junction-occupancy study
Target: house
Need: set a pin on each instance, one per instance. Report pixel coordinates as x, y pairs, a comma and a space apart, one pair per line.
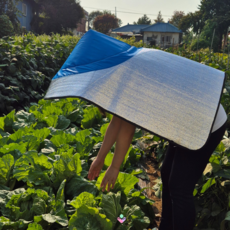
82, 26
159, 34
162, 34
129, 31
26, 7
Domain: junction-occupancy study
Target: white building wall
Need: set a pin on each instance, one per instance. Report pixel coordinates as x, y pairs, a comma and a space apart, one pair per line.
174, 38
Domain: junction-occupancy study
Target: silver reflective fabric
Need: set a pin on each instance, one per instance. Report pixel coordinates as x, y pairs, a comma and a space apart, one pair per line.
169, 95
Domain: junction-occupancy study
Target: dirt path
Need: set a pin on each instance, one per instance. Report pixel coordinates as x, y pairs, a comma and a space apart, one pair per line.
151, 168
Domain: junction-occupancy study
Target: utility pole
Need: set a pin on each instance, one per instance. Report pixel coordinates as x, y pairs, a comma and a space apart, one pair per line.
116, 12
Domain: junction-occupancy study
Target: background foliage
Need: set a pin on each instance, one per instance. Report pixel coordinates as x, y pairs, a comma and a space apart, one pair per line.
8, 7
93, 15
56, 16
144, 20
28, 63
104, 23
6, 27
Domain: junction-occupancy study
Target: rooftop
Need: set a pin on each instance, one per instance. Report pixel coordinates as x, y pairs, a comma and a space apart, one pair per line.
157, 27
130, 28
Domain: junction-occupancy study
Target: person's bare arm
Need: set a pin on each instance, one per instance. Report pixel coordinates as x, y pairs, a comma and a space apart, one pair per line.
109, 139
123, 142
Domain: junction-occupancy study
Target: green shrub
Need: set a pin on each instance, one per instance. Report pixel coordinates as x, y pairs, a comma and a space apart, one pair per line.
27, 65
6, 27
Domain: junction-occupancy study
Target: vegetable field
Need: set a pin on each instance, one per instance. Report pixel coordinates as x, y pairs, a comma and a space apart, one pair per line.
45, 157
46, 148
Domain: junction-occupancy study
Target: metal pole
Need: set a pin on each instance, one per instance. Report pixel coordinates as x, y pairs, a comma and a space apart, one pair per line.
197, 45
212, 41
228, 54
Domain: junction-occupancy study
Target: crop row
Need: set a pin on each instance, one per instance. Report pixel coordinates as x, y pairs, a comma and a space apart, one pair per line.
45, 155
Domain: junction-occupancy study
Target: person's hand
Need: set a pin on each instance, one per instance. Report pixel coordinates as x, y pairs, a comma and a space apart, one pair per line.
95, 168
110, 178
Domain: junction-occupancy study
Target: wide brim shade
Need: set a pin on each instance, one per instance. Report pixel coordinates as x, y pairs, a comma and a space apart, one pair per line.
168, 95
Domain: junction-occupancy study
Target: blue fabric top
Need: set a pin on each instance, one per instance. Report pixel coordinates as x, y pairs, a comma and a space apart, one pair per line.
96, 51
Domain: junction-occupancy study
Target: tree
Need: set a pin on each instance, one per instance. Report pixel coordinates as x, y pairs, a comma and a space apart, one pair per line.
8, 7
218, 12
159, 18
105, 22
176, 18
94, 14
187, 37
192, 21
205, 37
6, 27
145, 20
57, 16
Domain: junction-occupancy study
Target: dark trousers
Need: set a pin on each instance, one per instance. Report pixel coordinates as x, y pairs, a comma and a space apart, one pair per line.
180, 171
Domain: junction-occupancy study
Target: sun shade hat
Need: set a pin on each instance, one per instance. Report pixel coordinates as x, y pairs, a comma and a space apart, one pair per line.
168, 95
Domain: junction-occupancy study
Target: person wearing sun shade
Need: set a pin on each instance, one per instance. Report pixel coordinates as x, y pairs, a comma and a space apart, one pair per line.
168, 95
180, 171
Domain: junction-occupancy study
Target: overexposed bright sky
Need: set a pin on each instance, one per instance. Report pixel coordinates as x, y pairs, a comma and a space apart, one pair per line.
130, 10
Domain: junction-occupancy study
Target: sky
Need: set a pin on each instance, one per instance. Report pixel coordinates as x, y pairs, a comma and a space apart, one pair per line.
130, 10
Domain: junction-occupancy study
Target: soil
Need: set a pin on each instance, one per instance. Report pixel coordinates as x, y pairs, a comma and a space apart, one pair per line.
151, 167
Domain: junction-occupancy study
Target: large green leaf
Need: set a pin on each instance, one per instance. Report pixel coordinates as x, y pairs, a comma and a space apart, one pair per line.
225, 173
78, 184
5, 197
111, 206
33, 169
2, 123
89, 218
135, 217
35, 226
84, 142
57, 213
74, 115
220, 148
208, 184
6, 224
23, 119
104, 128
66, 167
84, 198
28, 204
8, 122
108, 160
62, 123
91, 117
6, 163
62, 138
124, 182
136, 197
60, 193
13, 149
47, 147
41, 134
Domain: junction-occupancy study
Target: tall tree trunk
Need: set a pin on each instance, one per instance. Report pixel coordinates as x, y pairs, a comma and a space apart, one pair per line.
220, 41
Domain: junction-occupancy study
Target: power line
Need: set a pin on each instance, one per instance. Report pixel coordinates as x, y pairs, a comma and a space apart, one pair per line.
127, 12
